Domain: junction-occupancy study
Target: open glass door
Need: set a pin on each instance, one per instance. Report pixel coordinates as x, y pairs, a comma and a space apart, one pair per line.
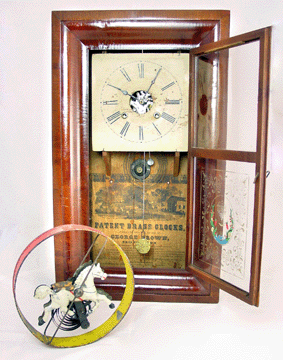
227, 161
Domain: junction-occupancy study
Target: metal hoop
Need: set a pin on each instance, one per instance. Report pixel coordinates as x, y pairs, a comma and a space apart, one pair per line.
109, 324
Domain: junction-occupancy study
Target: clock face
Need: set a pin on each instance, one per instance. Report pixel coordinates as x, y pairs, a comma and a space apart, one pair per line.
140, 102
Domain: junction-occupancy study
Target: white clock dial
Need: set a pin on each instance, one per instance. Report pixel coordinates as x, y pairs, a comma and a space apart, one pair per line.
140, 102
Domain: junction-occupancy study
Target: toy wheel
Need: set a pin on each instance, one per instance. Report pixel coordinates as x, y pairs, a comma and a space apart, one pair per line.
82, 316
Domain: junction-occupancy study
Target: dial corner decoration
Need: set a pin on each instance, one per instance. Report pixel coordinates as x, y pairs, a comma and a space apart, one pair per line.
140, 102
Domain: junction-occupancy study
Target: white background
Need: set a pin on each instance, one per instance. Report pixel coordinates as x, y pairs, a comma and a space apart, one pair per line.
228, 330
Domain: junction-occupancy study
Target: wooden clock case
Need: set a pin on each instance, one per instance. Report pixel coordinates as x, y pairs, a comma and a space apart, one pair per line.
74, 35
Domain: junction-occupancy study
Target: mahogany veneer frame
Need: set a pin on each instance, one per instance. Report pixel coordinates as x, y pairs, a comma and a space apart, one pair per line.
74, 34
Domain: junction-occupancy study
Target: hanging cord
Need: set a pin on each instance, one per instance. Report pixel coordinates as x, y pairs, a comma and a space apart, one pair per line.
133, 214
143, 197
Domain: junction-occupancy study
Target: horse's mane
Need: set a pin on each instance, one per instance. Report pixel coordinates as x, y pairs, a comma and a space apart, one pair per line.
79, 270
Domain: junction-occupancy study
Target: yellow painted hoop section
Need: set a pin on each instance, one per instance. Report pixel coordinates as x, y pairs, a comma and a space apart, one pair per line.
109, 324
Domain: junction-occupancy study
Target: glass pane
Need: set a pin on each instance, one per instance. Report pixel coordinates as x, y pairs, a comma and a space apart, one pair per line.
207, 129
227, 96
224, 209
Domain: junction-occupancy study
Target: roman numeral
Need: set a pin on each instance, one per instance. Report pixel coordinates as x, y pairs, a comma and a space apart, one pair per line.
156, 128
141, 70
172, 102
124, 72
114, 117
168, 117
125, 129
110, 102
168, 86
141, 138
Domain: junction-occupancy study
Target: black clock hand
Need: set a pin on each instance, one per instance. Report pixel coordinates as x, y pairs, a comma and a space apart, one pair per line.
153, 81
124, 92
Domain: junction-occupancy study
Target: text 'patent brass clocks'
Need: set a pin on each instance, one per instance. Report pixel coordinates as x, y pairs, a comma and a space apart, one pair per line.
140, 102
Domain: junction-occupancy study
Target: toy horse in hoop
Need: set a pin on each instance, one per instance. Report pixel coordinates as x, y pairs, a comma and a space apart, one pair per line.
77, 297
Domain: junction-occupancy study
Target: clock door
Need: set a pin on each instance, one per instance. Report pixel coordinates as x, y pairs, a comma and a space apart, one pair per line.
227, 166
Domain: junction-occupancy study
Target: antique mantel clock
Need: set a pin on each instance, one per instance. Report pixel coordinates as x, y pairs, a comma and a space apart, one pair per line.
146, 150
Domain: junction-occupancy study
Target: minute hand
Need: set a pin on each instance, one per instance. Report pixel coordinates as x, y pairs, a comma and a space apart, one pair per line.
124, 92
153, 81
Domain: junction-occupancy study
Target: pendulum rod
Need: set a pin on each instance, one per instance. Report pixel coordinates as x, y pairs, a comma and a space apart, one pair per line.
134, 202
143, 196
143, 202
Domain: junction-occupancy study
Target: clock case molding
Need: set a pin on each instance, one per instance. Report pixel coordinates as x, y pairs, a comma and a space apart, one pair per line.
74, 35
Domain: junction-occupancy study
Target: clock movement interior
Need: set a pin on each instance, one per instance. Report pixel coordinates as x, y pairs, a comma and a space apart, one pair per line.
141, 201
138, 161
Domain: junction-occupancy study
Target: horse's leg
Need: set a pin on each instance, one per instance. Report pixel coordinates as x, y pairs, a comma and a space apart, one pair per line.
91, 296
95, 297
40, 319
65, 309
102, 297
45, 315
81, 312
65, 299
